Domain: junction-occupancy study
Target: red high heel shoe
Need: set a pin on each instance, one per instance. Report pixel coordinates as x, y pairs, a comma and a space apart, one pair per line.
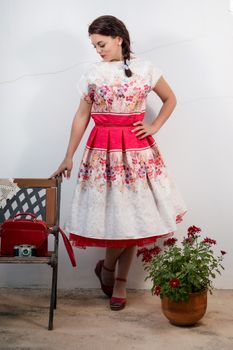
117, 303
108, 290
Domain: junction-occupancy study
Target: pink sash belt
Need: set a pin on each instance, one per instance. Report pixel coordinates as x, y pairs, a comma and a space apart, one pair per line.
113, 132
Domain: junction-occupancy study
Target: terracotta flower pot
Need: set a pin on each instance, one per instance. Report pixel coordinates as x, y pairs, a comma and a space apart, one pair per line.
185, 313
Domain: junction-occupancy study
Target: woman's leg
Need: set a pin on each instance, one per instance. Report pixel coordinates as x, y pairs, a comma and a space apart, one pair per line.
124, 263
111, 256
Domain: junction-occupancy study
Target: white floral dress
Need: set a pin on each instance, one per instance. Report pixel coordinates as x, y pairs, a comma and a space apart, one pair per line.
124, 195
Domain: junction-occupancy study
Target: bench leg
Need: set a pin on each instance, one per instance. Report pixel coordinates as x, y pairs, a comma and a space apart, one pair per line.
53, 297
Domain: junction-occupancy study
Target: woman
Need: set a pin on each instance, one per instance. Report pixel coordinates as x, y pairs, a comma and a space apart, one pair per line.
124, 197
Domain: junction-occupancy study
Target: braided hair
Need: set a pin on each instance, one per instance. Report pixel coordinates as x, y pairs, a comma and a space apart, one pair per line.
111, 26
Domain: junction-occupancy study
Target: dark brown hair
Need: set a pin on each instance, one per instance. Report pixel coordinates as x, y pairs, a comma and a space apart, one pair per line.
111, 26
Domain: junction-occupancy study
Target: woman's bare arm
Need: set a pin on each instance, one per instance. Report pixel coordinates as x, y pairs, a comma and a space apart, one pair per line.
164, 91
79, 125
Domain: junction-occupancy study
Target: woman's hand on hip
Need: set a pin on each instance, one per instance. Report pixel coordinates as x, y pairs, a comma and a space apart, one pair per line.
143, 129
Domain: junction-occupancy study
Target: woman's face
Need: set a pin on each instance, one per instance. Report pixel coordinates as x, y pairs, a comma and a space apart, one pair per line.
107, 47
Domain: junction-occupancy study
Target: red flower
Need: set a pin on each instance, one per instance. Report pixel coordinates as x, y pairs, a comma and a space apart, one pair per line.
170, 241
209, 240
174, 282
157, 290
147, 256
156, 250
141, 251
192, 230
223, 252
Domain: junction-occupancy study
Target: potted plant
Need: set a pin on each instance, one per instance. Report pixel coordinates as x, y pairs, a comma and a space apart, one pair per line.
182, 275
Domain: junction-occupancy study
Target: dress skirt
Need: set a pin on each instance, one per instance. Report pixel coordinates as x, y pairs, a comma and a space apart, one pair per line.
124, 195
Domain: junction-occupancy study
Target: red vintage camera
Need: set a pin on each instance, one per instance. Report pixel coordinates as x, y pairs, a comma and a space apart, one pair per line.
18, 232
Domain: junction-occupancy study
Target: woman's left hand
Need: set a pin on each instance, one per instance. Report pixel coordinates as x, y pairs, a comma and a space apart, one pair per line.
144, 129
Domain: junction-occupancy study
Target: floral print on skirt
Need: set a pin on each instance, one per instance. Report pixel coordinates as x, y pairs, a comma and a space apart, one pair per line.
124, 195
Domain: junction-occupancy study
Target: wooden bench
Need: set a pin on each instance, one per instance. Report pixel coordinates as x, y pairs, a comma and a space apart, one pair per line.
42, 198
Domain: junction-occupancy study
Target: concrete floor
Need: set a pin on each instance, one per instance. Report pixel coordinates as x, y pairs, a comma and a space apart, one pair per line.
83, 321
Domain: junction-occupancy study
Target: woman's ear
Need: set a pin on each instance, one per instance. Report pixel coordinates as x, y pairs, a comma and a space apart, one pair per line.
120, 40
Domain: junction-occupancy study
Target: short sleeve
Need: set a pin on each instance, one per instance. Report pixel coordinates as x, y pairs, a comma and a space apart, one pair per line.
86, 87
155, 74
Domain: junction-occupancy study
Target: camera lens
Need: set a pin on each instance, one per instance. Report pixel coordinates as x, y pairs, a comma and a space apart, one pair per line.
25, 251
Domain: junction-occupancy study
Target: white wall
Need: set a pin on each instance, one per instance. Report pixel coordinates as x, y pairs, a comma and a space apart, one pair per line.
45, 48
